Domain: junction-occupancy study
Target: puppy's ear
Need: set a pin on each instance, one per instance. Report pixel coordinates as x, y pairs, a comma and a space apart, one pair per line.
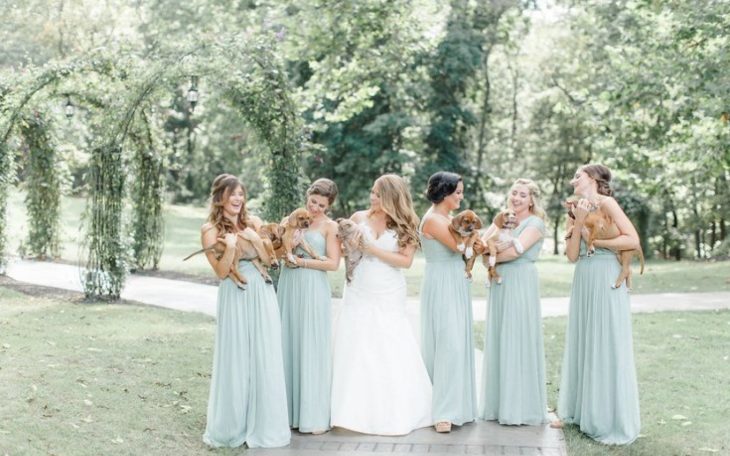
478, 222
291, 221
499, 220
456, 221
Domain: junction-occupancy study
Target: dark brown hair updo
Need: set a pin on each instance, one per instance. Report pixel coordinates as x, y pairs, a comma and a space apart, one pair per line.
602, 176
323, 187
440, 185
223, 186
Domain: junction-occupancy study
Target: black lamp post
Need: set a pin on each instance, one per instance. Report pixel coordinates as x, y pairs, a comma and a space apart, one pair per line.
193, 92
68, 108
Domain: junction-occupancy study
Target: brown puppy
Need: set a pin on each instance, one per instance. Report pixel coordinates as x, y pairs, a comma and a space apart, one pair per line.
464, 228
294, 226
600, 226
347, 232
505, 222
272, 235
248, 247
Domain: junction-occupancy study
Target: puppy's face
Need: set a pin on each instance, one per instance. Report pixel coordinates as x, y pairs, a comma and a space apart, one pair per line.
466, 222
346, 230
506, 219
300, 219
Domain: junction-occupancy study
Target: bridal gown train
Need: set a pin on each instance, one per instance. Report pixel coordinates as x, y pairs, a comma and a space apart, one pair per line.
380, 384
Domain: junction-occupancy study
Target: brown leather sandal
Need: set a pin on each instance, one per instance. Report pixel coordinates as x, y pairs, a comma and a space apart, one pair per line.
443, 426
557, 424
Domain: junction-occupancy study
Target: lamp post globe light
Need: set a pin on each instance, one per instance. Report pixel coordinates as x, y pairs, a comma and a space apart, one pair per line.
68, 108
193, 92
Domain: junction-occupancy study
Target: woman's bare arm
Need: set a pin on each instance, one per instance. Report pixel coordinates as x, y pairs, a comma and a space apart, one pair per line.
208, 238
527, 238
437, 227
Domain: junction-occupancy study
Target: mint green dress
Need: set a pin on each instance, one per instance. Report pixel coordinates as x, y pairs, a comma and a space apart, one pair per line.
598, 389
513, 370
305, 302
247, 401
446, 334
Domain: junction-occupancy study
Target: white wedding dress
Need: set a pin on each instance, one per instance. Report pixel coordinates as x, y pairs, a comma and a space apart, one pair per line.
380, 384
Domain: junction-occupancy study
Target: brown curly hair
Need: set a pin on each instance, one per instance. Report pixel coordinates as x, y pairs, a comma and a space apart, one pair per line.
223, 186
395, 200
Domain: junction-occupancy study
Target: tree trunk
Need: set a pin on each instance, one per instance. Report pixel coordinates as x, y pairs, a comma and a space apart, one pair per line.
665, 243
675, 224
556, 230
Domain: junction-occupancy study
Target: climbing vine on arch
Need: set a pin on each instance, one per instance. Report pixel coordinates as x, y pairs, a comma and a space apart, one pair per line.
43, 189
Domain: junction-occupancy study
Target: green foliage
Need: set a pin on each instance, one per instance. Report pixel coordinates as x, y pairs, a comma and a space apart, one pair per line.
43, 183
263, 96
456, 62
106, 264
358, 151
147, 194
6, 166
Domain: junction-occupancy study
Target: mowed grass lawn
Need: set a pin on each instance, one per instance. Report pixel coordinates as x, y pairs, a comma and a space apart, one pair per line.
89, 379
182, 236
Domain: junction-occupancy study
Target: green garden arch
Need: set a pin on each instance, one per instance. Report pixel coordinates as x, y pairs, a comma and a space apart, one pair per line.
247, 74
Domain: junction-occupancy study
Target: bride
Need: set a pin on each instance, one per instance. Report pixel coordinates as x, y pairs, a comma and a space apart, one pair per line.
380, 384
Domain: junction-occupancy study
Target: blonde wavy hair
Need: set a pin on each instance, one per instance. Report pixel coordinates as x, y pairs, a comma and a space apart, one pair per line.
221, 189
396, 202
536, 208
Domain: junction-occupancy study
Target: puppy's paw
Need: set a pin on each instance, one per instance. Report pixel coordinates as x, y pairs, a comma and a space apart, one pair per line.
488, 284
267, 279
469, 252
499, 281
492, 261
460, 247
291, 258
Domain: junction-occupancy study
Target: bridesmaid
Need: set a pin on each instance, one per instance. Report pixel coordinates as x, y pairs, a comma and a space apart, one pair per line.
247, 401
446, 313
513, 372
598, 390
305, 303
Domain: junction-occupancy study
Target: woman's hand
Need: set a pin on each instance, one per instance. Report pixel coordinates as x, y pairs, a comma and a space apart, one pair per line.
362, 242
230, 240
248, 234
503, 245
581, 211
